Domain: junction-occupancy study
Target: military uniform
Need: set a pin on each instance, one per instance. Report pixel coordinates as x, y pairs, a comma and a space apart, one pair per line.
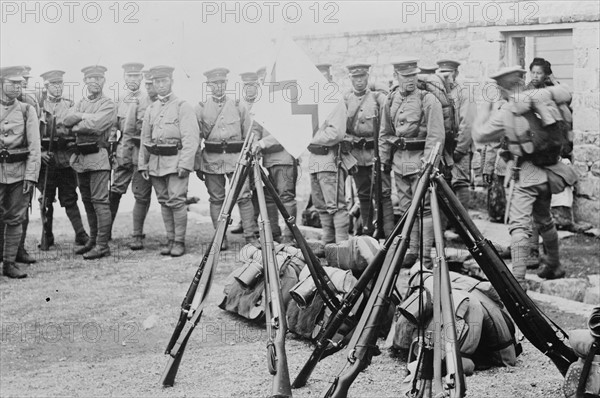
61, 177
328, 164
130, 115
412, 124
90, 121
20, 160
224, 124
169, 141
364, 116
534, 186
464, 109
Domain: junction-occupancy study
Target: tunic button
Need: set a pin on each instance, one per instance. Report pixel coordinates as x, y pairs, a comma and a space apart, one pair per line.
401, 123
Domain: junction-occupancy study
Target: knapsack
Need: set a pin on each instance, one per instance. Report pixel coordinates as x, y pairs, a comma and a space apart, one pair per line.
434, 85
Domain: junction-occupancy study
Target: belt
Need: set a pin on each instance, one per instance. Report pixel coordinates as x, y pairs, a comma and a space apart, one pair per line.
13, 155
163, 149
364, 143
273, 149
403, 144
60, 143
322, 149
136, 141
223, 146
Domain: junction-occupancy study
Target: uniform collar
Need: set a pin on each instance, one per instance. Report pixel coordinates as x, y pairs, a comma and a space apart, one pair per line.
219, 100
53, 99
8, 103
360, 93
166, 98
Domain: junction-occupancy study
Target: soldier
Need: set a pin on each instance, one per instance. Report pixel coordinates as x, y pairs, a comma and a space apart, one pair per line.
364, 116
411, 125
224, 124
282, 168
169, 144
91, 120
130, 115
531, 195
464, 108
329, 162
20, 160
428, 69
61, 176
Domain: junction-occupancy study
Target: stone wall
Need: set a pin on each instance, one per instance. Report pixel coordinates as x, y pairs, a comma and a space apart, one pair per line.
482, 49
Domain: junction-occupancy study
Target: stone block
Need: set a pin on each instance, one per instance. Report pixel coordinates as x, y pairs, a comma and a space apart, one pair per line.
569, 288
586, 137
587, 210
586, 153
585, 80
592, 295
589, 186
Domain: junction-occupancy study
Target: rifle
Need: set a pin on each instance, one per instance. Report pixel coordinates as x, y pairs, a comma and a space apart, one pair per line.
46, 208
375, 195
275, 316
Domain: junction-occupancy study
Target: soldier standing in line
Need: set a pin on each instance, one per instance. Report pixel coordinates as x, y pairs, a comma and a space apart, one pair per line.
411, 125
61, 176
282, 168
329, 162
20, 160
169, 141
91, 120
130, 115
224, 124
464, 108
364, 115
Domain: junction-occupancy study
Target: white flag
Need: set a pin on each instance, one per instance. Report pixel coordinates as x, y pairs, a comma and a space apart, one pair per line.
296, 99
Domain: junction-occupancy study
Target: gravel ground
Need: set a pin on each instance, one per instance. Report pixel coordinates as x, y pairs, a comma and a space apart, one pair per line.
99, 328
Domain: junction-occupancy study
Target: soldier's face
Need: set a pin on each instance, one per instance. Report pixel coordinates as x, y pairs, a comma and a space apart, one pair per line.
55, 89
537, 75
133, 82
360, 82
250, 90
150, 90
218, 88
163, 85
11, 89
407, 83
94, 84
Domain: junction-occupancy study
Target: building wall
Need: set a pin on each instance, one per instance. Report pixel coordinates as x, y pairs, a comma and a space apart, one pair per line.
482, 49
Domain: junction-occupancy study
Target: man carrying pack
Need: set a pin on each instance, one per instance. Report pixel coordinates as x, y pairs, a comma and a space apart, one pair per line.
329, 162
20, 160
130, 115
90, 122
411, 125
224, 124
61, 177
536, 170
364, 119
169, 142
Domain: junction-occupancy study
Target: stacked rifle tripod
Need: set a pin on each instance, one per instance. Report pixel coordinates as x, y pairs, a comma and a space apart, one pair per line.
381, 274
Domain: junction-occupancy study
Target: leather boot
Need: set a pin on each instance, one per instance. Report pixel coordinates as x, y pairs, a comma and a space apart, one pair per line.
166, 250
169, 221
341, 222
114, 200
178, 249
248, 220
81, 237
225, 244
103, 215
138, 242
22, 255
180, 219
93, 223
48, 231
89, 245
253, 240
327, 227
292, 209
238, 229
140, 210
11, 238
12, 270
552, 268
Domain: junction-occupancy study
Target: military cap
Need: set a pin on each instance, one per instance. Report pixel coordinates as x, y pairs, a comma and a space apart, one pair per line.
406, 67
217, 74
428, 69
12, 73
147, 76
447, 65
94, 70
161, 71
507, 71
27, 71
249, 77
324, 68
358, 69
133, 68
53, 76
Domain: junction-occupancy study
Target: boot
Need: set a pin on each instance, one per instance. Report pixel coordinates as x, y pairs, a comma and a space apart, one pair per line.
291, 207
273, 213
48, 231
215, 212
22, 255
97, 252
327, 227
341, 223
138, 242
225, 244
365, 207
93, 222
389, 220
238, 229
178, 249
12, 270
104, 221
248, 220
428, 241
253, 240
12, 236
81, 237
166, 250
89, 245
114, 200
552, 268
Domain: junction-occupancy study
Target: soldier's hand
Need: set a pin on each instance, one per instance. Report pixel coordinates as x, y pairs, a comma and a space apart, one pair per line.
28, 186
47, 158
487, 179
72, 119
182, 173
200, 175
145, 174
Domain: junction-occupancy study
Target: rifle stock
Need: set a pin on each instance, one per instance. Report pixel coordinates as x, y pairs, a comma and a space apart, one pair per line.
44, 206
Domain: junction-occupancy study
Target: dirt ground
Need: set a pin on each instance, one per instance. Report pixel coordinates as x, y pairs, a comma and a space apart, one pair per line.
99, 328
